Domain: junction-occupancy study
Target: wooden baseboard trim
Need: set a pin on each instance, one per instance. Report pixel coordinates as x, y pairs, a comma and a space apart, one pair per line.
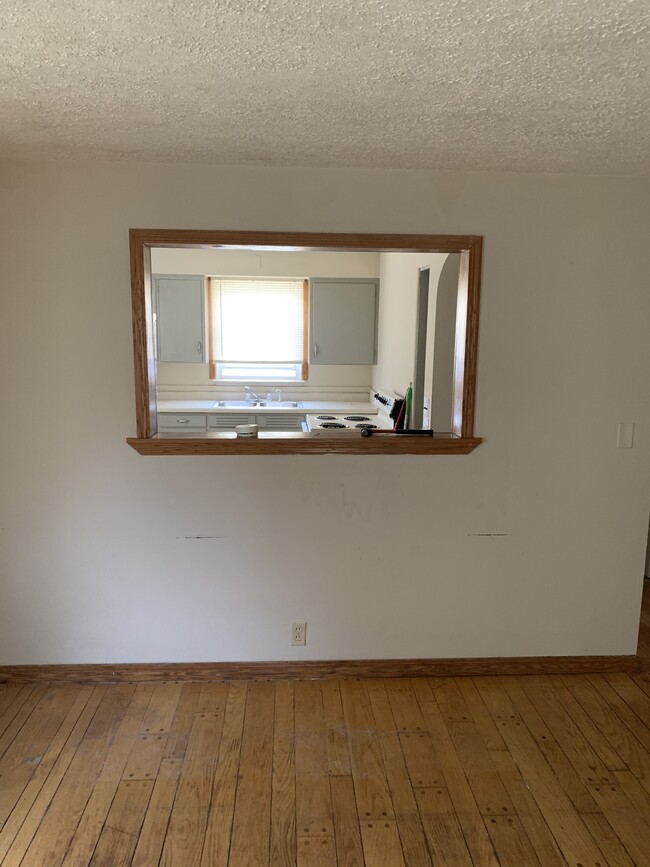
315, 670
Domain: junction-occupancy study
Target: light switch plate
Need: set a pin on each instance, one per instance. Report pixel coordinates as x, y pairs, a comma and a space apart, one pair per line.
625, 435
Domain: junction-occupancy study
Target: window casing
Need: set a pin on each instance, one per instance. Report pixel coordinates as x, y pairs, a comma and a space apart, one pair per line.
257, 329
461, 440
236, 371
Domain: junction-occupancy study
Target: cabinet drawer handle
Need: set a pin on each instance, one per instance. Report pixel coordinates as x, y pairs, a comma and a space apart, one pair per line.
198, 346
315, 349
183, 420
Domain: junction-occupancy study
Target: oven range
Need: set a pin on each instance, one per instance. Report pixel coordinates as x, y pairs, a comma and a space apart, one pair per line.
326, 424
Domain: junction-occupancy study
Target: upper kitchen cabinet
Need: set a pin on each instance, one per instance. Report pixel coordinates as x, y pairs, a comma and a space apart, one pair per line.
343, 321
180, 317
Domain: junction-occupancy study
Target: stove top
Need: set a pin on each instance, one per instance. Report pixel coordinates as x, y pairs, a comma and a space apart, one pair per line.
351, 424
344, 421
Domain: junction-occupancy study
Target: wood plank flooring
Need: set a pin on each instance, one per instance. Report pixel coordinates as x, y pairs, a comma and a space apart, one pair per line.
526, 771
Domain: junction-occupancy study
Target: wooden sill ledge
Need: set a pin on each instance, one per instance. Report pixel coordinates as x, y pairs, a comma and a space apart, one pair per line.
274, 443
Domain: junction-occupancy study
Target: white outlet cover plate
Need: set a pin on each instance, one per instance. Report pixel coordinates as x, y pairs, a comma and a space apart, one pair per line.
299, 633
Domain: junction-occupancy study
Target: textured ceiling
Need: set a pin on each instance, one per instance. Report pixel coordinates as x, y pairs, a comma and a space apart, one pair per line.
557, 85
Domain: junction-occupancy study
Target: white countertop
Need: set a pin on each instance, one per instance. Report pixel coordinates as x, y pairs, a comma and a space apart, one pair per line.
308, 406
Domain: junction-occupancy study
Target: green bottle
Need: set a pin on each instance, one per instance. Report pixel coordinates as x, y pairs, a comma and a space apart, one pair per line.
407, 412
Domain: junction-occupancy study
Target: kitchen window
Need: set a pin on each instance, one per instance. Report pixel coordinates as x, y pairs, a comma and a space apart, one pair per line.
257, 329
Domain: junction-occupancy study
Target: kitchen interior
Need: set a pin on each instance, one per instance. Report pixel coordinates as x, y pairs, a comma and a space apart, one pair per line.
378, 337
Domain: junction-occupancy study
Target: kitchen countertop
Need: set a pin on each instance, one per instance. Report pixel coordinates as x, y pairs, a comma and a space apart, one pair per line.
308, 406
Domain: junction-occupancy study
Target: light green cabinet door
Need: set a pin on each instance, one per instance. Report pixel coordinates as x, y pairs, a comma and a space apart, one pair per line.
229, 420
280, 421
343, 319
180, 317
173, 421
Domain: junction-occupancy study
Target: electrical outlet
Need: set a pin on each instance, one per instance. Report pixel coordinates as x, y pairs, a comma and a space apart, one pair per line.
299, 632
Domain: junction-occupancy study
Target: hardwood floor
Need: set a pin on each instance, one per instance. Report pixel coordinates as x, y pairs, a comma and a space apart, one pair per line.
518, 771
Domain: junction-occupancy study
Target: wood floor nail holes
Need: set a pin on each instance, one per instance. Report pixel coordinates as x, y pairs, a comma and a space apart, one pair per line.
517, 771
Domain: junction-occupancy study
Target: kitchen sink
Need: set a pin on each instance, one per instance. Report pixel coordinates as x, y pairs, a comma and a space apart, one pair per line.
252, 404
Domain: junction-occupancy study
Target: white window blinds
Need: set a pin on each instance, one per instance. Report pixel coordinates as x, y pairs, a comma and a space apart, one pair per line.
257, 320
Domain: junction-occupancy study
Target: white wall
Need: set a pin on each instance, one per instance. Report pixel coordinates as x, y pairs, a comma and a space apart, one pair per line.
269, 264
240, 263
99, 556
398, 296
439, 375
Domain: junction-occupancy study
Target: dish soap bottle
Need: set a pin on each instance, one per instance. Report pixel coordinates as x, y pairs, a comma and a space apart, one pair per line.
408, 399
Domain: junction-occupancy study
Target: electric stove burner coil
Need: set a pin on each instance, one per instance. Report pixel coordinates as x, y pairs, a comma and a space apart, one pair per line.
332, 424
366, 426
326, 417
356, 418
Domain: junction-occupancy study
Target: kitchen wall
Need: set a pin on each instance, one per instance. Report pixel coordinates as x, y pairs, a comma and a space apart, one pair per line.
108, 556
353, 378
399, 274
439, 373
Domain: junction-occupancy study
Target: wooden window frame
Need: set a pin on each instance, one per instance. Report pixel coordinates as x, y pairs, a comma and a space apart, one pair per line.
304, 362
461, 440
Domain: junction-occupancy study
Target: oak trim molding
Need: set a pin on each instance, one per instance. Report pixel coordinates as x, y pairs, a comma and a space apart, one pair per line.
462, 439
206, 672
274, 443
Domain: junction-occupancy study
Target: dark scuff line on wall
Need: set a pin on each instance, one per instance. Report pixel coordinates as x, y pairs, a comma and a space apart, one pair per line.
192, 538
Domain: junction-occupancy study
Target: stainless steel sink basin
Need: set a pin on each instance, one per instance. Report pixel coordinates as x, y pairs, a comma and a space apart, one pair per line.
253, 404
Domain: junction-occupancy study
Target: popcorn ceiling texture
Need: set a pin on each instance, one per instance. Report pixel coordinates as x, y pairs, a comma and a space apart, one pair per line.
556, 85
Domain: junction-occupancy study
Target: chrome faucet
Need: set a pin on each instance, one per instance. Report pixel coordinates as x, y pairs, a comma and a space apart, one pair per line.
252, 393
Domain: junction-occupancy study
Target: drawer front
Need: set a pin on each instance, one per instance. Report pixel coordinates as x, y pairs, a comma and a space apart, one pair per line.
228, 420
280, 421
168, 421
